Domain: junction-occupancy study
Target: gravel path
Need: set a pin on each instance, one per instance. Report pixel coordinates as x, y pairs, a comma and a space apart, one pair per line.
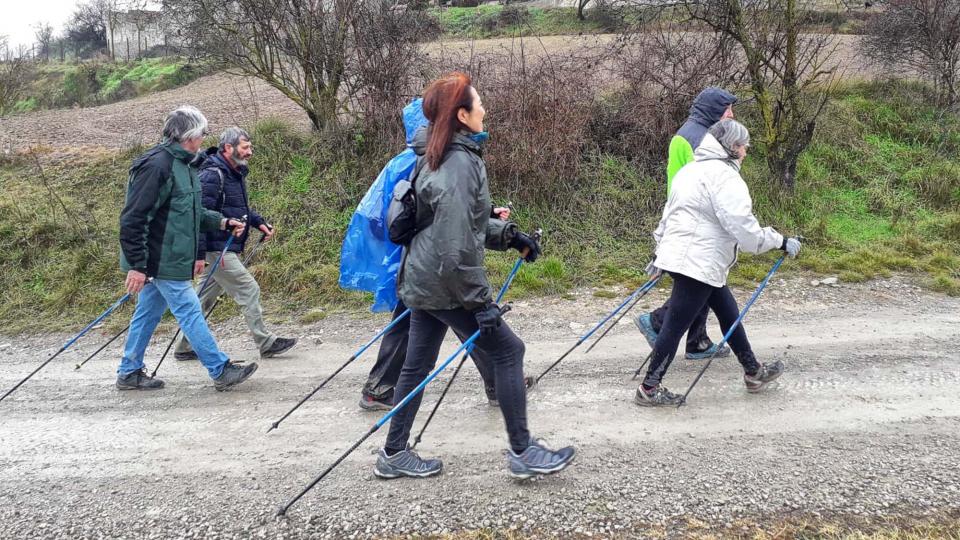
866, 422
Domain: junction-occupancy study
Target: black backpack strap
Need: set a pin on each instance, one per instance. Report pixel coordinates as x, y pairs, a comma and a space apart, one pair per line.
221, 196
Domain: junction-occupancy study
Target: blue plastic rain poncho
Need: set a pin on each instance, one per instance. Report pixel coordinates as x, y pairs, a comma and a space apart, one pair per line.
368, 260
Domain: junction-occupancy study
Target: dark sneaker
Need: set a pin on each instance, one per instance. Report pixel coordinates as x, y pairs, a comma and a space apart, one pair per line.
767, 373
645, 324
138, 380
406, 463
370, 403
233, 375
529, 381
707, 349
537, 459
184, 356
658, 397
280, 346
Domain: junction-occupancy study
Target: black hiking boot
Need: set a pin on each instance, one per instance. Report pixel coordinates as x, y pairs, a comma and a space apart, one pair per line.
185, 356
138, 380
529, 381
766, 374
657, 397
280, 346
371, 403
233, 375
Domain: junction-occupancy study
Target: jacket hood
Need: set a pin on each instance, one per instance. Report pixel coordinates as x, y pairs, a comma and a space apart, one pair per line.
708, 107
711, 149
419, 144
413, 119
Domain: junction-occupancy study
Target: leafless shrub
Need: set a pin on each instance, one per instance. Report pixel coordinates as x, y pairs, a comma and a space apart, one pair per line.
919, 37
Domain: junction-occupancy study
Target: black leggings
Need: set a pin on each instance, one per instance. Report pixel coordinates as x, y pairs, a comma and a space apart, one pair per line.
393, 351
504, 351
687, 300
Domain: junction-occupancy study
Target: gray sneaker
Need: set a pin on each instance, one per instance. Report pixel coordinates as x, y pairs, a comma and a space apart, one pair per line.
658, 397
537, 459
766, 374
138, 380
233, 375
406, 463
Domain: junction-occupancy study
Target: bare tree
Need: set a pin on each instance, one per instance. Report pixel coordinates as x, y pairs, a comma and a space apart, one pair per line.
15, 75
919, 37
87, 27
43, 33
790, 71
322, 54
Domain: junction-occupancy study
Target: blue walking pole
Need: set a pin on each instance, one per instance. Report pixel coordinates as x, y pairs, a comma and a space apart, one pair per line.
639, 292
463, 360
622, 314
386, 418
67, 345
733, 327
353, 357
203, 287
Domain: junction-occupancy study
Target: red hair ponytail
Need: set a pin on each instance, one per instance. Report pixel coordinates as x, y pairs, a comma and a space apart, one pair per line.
442, 100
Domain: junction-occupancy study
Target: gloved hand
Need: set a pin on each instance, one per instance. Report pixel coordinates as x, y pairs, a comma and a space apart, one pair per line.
791, 246
652, 269
488, 318
521, 242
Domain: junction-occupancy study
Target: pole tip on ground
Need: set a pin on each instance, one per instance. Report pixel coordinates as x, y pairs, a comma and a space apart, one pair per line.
273, 427
281, 512
76, 367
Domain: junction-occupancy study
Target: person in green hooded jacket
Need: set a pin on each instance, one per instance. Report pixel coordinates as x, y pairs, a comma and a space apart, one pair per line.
160, 227
709, 107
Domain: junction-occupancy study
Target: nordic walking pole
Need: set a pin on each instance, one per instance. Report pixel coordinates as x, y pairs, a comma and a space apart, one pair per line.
622, 313
67, 345
215, 303
203, 287
466, 354
642, 290
353, 357
386, 418
122, 332
733, 327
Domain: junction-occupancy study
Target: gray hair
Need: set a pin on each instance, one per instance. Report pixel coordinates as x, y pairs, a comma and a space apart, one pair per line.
232, 136
186, 122
731, 134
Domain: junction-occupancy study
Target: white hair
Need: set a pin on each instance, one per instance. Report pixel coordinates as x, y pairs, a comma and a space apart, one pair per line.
731, 135
186, 122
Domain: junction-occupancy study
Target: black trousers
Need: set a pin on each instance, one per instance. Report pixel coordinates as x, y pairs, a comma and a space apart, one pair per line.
393, 351
504, 350
696, 336
687, 300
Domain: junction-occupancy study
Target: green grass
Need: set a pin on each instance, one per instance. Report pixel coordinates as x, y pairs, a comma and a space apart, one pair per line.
491, 20
863, 201
59, 85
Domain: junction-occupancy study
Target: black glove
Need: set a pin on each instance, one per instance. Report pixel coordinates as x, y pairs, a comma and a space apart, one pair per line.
521, 241
488, 318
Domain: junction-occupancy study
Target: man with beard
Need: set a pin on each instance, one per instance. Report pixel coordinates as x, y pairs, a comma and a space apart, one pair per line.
223, 171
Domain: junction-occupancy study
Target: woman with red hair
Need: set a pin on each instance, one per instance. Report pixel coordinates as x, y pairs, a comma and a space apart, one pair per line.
442, 279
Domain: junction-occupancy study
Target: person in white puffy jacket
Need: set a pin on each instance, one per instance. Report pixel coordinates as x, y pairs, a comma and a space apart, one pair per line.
707, 220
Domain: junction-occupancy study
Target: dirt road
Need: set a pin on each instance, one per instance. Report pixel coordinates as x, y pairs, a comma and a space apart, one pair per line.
866, 422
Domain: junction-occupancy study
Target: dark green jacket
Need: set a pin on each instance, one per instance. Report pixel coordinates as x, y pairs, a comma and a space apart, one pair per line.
163, 215
443, 265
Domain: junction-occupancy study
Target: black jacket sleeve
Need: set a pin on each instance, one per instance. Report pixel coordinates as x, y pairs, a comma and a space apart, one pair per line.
145, 189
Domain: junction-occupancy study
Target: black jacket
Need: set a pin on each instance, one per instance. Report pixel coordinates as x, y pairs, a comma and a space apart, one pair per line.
224, 190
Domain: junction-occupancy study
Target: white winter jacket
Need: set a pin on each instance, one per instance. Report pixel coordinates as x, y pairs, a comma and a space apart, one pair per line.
708, 218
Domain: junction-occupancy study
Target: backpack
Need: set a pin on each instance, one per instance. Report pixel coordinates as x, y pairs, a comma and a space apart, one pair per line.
402, 210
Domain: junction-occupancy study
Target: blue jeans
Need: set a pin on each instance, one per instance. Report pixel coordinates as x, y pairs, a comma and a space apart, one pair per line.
154, 299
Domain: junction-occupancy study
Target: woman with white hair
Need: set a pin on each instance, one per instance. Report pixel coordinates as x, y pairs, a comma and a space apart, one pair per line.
707, 220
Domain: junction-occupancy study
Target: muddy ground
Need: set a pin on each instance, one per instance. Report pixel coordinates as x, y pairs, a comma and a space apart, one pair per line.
865, 423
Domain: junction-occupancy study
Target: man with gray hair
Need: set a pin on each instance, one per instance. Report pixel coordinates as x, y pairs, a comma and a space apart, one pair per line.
223, 171
159, 234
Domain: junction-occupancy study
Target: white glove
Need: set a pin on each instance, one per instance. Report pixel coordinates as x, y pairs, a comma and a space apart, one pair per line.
652, 269
792, 247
